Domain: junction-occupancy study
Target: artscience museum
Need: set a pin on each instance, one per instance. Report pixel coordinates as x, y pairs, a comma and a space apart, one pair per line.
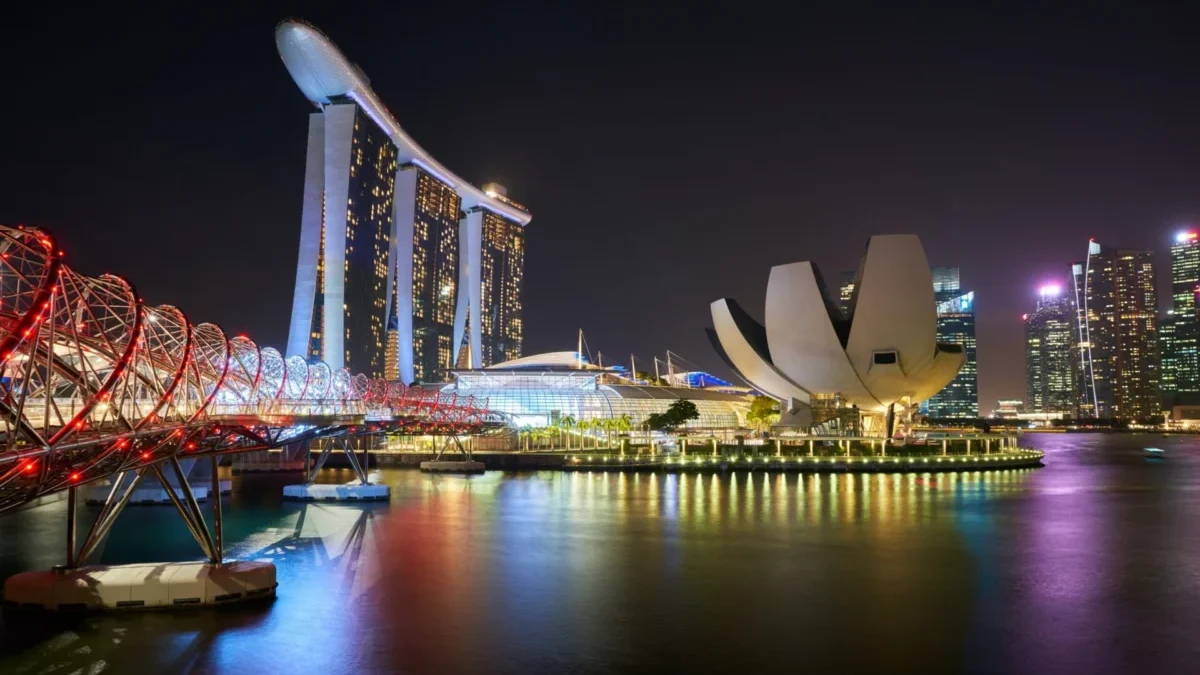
879, 359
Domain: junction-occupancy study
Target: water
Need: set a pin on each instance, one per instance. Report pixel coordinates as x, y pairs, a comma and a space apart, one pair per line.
1089, 565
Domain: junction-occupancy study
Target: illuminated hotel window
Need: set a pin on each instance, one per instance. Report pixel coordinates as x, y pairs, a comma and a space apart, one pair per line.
368, 218
435, 271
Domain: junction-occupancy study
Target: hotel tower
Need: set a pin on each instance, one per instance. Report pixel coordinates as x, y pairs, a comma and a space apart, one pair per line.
405, 270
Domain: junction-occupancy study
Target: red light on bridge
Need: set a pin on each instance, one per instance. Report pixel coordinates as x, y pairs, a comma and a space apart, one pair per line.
191, 446
74, 477
28, 467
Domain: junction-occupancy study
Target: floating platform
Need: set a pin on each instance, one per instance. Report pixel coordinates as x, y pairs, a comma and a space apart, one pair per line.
349, 492
96, 494
453, 467
141, 586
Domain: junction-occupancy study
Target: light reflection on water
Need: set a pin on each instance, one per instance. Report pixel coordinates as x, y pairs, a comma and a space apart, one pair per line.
1086, 565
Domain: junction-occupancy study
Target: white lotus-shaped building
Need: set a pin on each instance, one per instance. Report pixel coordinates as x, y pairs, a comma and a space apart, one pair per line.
882, 353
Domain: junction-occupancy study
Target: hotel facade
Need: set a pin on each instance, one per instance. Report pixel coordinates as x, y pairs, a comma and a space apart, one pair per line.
405, 270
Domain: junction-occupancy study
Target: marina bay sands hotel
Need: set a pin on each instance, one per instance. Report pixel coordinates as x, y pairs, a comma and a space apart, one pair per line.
405, 269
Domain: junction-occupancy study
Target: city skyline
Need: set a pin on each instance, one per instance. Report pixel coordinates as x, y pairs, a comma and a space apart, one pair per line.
1008, 219
503, 337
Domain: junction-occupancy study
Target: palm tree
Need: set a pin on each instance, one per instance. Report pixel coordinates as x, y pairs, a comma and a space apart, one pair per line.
568, 423
623, 424
583, 425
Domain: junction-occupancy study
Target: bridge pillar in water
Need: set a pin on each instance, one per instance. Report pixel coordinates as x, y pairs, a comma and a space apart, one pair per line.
360, 489
75, 585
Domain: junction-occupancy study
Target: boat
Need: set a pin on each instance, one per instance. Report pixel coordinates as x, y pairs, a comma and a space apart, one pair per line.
1154, 453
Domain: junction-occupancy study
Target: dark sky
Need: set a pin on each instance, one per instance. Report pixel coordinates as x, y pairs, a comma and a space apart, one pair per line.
669, 156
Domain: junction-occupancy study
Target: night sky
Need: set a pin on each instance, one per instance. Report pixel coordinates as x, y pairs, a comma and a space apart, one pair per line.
669, 157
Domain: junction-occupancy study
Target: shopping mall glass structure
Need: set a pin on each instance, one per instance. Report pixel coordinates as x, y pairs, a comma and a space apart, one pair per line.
538, 391
404, 269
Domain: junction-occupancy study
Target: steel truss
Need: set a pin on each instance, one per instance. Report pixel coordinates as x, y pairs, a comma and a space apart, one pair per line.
211, 543
328, 445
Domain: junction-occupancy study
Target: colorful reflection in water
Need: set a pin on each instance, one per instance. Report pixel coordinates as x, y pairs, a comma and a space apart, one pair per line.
1086, 565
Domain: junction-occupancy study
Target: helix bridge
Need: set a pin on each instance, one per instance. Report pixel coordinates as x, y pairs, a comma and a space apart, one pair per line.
95, 384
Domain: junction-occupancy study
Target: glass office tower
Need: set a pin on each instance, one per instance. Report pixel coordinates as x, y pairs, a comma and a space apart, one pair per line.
1178, 339
1116, 333
955, 325
1050, 379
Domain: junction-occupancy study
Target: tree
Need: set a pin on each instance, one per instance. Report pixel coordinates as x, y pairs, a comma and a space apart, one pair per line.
659, 422
623, 424
584, 425
567, 422
764, 412
681, 412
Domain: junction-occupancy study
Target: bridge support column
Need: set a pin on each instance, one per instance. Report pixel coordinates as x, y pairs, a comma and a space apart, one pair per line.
118, 498
465, 465
76, 586
216, 504
191, 512
72, 522
361, 490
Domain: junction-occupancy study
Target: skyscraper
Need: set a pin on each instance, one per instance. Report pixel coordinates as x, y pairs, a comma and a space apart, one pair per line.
946, 282
391, 273
1180, 329
1116, 332
1050, 380
427, 212
955, 325
340, 311
1168, 354
502, 265
846, 292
